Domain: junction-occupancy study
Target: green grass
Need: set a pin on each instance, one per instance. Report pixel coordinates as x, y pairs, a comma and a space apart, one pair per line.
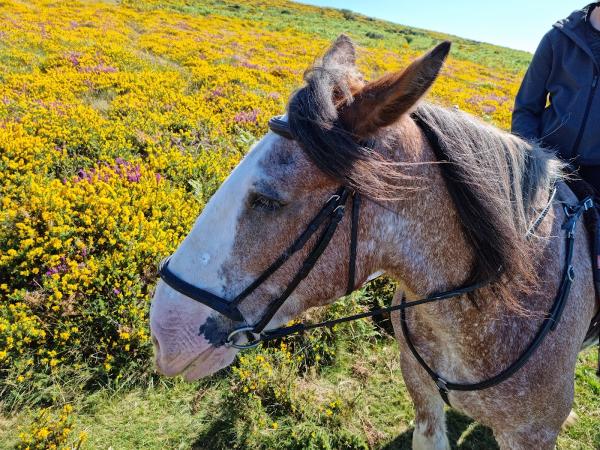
376, 411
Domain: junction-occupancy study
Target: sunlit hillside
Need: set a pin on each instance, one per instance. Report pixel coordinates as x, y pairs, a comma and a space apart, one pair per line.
118, 120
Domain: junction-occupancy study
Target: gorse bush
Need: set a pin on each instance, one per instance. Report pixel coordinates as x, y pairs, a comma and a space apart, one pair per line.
269, 394
79, 259
52, 431
117, 123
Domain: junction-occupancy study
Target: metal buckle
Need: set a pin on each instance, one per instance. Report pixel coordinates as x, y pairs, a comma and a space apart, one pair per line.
569, 211
571, 273
588, 203
442, 385
230, 342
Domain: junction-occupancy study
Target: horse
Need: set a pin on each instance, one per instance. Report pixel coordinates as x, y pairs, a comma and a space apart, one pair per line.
487, 212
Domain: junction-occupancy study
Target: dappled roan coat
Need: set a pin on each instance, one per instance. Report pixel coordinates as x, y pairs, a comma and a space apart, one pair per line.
427, 232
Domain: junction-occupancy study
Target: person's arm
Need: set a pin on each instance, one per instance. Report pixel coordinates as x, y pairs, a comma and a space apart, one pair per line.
531, 99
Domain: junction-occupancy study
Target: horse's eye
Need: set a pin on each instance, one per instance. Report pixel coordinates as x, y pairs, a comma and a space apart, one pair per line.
258, 201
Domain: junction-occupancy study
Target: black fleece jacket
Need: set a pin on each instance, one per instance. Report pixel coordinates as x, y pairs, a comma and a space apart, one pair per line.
558, 103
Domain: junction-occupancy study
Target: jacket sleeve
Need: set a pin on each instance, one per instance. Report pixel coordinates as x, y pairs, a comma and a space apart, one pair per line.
531, 98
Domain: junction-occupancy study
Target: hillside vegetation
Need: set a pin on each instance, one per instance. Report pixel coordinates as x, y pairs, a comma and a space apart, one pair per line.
118, 120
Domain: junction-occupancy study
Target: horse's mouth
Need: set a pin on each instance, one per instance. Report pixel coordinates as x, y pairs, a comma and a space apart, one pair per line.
167, 370
208, 362
187, 373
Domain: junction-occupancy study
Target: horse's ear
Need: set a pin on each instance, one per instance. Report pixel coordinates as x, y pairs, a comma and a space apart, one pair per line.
382, 102
341, 53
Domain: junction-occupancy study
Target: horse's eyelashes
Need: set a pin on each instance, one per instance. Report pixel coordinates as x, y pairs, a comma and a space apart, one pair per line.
258, 201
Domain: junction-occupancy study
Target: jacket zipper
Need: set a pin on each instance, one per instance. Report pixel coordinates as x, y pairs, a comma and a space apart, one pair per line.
587, 113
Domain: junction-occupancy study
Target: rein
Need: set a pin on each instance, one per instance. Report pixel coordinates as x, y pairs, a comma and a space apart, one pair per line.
328, 218
549, 323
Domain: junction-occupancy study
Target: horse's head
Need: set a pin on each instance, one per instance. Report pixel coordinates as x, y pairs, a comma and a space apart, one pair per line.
269, 200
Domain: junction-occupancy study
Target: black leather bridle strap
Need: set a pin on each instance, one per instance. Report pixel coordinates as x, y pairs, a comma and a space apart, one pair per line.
307, 265
328, 218
353, 243
332, 209
339, 198
279, 126
299, 328
200, 295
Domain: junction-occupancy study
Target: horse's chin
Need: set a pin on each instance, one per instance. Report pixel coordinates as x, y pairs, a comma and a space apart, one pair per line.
208, 363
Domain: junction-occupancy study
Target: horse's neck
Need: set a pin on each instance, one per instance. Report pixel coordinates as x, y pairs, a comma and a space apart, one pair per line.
467, 337
428, 252
421, 237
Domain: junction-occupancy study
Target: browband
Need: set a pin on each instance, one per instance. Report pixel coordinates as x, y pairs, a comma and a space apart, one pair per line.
279, 125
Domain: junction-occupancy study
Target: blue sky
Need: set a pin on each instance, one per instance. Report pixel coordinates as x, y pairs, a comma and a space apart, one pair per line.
517, 24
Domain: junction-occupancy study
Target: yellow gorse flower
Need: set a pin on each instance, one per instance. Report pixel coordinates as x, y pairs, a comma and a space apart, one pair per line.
112, 138
51, 429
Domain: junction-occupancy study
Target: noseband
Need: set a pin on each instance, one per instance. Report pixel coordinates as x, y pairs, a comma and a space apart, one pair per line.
326, 220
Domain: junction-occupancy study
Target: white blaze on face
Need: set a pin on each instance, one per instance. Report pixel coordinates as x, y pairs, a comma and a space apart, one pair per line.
201, 255
176, 319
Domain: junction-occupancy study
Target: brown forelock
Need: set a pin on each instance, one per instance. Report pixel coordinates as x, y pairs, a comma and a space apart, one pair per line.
321, 118
314, 120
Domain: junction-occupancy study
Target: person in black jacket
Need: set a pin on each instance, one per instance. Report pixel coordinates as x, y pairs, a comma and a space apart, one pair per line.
558, 103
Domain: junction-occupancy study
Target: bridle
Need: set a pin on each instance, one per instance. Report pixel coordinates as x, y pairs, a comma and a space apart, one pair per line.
327, 220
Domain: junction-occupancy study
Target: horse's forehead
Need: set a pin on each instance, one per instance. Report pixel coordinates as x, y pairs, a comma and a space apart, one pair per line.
275, 161
279, 154
257, 162
280, 161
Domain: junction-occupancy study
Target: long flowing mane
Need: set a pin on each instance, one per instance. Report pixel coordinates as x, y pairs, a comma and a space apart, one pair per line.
495, 179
